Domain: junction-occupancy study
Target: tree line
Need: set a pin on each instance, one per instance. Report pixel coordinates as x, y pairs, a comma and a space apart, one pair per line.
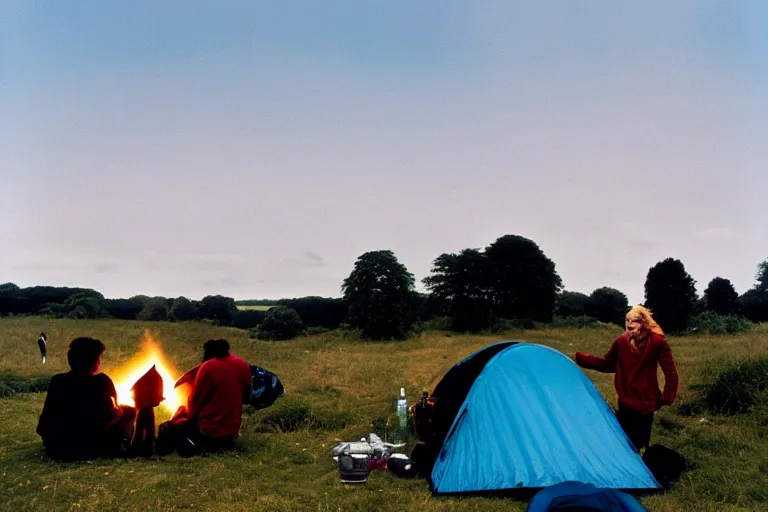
509, 282
80, 303
512, 282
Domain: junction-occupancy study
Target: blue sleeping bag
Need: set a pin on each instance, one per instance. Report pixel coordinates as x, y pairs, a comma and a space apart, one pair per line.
580, 497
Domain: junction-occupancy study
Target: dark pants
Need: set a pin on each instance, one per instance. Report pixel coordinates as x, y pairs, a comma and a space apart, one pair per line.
43, 348
143, 440
110, 443
186, 439
637, 426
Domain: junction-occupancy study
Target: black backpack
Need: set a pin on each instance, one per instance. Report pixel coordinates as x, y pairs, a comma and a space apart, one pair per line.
666, 464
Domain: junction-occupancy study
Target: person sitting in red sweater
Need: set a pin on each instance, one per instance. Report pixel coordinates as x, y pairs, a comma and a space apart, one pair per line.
211, 420
635, 357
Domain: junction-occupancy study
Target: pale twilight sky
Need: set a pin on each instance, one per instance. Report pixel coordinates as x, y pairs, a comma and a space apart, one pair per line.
256, 150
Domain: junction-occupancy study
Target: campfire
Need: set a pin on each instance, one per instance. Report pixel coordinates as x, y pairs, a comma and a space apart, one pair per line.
150, 354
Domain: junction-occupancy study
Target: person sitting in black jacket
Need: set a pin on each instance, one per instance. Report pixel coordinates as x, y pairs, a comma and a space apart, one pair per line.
81, 419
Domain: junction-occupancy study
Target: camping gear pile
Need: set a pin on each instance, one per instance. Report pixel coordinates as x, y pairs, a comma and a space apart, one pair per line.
357, 459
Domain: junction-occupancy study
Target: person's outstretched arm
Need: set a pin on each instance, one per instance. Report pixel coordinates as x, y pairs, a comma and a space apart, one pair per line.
107, 409
668, 367
605, 364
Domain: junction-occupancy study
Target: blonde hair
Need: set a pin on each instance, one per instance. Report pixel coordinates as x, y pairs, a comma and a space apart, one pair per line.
644, 315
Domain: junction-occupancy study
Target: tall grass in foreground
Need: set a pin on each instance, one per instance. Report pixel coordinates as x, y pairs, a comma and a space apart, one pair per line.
338, 387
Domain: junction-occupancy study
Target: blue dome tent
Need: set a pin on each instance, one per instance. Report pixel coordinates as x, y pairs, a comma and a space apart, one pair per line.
522, 417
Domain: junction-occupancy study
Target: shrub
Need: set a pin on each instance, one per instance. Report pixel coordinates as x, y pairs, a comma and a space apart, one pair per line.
182, 309
317, 311
736, 324
441, 323
85, 305
513, 324
280, 323
13, 384
737, 388
574, 322
571, 304
712, 323
248, 319
155, 310
125, 309
291, 416
53, 310
218, 308
608, 305
761, 410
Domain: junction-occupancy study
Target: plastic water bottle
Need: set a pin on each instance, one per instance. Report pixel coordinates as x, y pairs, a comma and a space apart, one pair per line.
402, 417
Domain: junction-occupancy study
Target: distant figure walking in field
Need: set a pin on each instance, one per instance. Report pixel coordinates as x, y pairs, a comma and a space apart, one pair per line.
635, 357
42, 344
81, 419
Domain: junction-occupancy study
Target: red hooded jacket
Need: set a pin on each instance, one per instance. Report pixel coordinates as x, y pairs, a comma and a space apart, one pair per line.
636, 379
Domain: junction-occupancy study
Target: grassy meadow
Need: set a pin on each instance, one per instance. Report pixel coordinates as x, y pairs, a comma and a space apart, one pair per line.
337, 388
252, 308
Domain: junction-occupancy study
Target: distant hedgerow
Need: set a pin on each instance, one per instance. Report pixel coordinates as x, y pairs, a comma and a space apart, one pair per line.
577, 322
712, 323
14, 384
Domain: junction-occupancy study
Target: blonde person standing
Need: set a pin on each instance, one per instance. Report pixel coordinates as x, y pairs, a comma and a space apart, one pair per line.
635, 357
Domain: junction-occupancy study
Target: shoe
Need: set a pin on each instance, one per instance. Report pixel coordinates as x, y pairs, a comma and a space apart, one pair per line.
187, 448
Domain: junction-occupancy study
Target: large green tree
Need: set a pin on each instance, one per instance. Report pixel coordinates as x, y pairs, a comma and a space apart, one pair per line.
524, 281
379, 294
754, 302
155, 310
462, 281
762, 276
317, 311
670, 293
721, 297
125, 309
218, 308
182, 309
608, 305
571, 304
280, 323
9, 297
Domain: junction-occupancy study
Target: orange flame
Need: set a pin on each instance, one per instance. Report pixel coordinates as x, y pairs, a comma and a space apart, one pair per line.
150, 354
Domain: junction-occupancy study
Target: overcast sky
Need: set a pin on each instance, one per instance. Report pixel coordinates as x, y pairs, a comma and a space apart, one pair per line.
256, 149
